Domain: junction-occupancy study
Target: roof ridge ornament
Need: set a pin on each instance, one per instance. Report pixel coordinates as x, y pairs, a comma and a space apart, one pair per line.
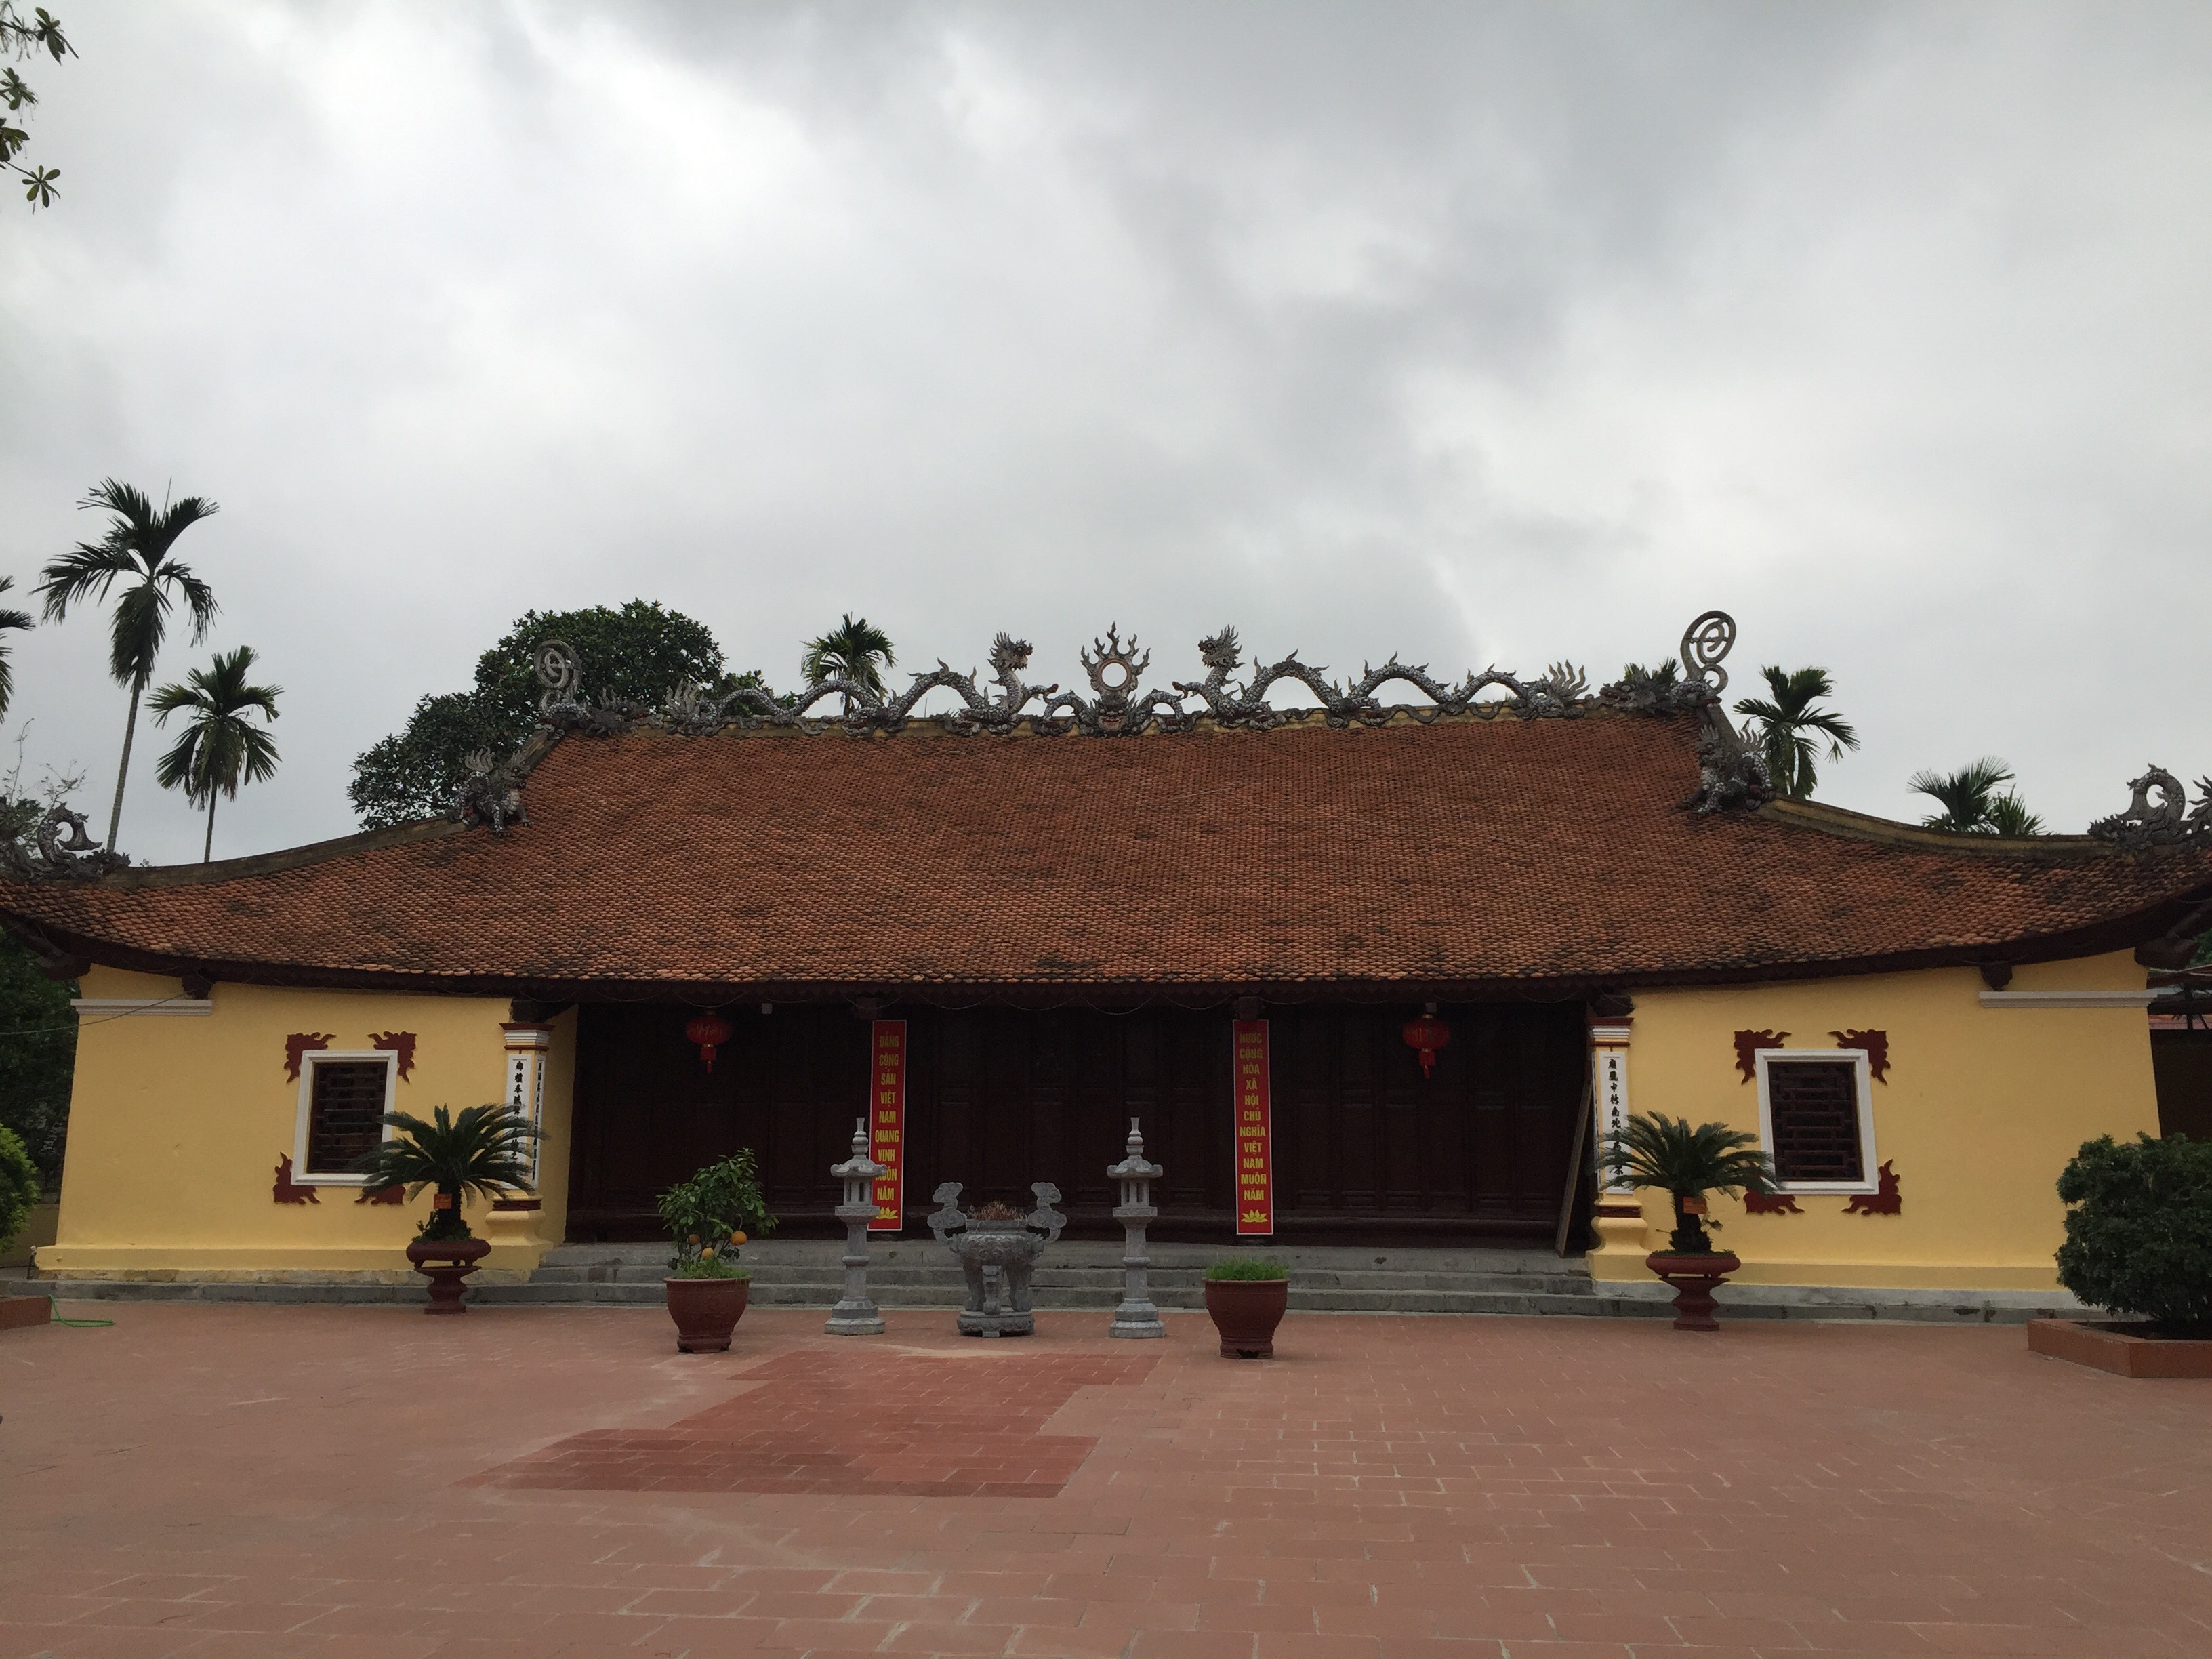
490, 793
1705, 642
52, 858
1732, 775
2169, 823
1116, 708
561, 676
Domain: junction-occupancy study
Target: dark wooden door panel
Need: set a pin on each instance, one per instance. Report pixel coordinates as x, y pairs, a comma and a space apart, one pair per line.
1365, 1146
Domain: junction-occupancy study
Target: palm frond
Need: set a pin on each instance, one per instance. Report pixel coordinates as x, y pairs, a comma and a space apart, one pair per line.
136, 635
2008, 816
10, 622
87, 571
199, 598
1965, 795
1658, 1151
485, 1151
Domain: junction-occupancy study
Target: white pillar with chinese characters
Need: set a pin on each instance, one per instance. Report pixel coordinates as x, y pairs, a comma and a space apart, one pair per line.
525, 1080
514, 1219
1618, 1216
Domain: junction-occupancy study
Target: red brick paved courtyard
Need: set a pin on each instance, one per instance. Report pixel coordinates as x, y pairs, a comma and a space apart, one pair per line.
245, 1480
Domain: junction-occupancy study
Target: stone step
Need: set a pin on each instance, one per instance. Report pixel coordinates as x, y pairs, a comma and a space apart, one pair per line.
1303, 1261
828, 1277
1101, 1298
1611, 1301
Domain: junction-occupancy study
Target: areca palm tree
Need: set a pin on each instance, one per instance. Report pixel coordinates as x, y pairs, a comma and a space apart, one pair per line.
1971, 803
1792, 728
10, 619
135, 551
850, 651
221, 748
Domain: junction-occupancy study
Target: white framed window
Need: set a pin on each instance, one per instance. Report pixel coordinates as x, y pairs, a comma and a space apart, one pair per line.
343, 1096
1816, 1119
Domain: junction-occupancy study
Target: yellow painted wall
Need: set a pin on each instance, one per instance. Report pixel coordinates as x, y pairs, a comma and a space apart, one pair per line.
177, 1123
1982, 1109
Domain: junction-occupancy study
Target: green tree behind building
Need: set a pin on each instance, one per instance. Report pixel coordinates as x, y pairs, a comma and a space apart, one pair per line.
637, 653
38, 1055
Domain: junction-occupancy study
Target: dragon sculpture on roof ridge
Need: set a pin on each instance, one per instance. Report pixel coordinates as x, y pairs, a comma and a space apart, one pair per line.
1732, 775
2171, 822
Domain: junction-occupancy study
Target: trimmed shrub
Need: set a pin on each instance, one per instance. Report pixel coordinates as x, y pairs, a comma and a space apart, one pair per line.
2139, 1230
19, 1187
1247, 1266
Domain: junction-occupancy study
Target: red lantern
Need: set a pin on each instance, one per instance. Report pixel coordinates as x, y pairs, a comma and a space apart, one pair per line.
1427, 1034
709, 1031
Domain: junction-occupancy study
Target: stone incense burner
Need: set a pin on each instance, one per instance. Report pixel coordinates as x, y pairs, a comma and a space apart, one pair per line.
997, 1248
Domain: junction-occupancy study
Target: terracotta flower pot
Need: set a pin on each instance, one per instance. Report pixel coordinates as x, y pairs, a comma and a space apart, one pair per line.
1245, 1311
1693, 1279
706, 1311
459, 1257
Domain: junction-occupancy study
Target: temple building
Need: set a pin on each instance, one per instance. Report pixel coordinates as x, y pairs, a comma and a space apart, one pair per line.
1367, 975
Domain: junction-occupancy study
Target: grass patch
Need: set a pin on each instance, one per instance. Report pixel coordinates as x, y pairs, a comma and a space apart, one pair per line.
1247, 1268
711, 1267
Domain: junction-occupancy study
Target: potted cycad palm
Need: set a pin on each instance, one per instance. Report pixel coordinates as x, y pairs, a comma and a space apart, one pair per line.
485, 1151
709, 1217
1686, 1164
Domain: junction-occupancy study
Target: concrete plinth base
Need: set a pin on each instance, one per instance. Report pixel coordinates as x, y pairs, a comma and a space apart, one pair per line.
850, 1319
998, 1324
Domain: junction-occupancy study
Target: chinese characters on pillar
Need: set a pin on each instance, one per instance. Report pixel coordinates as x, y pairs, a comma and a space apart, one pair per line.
526, 1079
1609, 1057
1256, 1156
887, 1122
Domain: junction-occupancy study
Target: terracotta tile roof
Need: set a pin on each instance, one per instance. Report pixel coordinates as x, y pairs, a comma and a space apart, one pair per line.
1463, 853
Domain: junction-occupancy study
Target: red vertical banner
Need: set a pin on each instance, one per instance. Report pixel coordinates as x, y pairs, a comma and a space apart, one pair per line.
887, 1120
1255, 1141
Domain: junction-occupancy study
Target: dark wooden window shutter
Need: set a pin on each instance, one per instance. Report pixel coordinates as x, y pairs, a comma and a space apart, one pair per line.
345, 1113
1814, 1106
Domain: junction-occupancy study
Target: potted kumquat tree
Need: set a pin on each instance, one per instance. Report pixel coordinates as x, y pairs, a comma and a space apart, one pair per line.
708, 1217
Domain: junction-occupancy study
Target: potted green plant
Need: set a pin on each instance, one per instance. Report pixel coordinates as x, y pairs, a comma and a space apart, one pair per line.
710, 1218
1245, 1297
485, 1151
2139, 1244
1686, 1164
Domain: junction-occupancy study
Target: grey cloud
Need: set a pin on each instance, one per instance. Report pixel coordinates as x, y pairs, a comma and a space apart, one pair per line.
1474, 333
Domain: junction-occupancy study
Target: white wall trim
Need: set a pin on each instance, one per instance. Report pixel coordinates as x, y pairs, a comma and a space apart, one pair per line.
301, 1173
96, 1008
1862, 1080
2069, 998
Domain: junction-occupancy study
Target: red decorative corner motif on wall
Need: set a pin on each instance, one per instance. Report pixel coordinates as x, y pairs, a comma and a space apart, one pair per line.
300, 1042
1747, 1045
1875, 1045
401, 1043
1770, 1204
1885, 1202
289, 1191
396, 1194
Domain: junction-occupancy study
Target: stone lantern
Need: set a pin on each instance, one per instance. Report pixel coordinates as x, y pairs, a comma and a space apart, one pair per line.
1136, 1317
854, 1314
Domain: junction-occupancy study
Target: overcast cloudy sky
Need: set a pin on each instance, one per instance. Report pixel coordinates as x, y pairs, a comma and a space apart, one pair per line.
1476, 332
